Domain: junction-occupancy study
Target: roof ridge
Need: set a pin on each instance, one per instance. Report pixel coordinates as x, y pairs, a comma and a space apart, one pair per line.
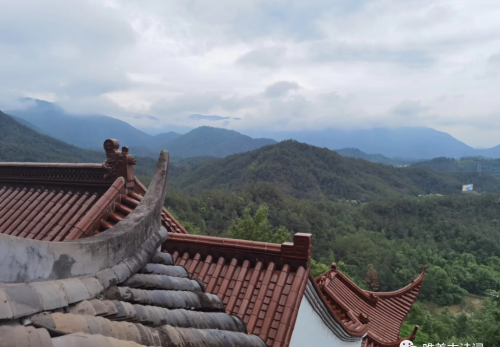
398, 293
370, 296
299, 249
165, 214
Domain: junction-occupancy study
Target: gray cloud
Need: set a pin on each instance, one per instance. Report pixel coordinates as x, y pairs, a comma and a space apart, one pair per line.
279, 89
192, 103
70, 48
145, 116
494, 59
341, 51
408, 109
269, 57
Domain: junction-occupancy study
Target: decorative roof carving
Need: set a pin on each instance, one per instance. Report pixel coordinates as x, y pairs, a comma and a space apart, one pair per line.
119, 163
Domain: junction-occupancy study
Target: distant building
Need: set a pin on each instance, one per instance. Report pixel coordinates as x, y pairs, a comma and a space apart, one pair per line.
467, 188
90, 257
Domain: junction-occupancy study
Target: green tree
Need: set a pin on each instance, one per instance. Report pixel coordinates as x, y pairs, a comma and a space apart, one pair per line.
258, 228
317, 269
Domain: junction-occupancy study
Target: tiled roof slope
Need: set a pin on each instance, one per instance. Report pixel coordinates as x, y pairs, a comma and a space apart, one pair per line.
142, 299
379, 314
44, 212
157, 306
262, 283
61, 202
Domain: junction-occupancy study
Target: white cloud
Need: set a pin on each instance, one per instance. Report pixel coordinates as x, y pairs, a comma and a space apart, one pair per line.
279, 89
269, 57
360, 63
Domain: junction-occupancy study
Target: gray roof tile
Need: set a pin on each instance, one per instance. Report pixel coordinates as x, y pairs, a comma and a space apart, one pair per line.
51, 294
75, 290
162, 258
5, 308
24, 300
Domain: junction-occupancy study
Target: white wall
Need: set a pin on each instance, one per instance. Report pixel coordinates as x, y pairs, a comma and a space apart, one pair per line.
311, 331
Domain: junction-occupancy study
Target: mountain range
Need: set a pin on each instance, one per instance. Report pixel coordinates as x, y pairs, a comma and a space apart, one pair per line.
89, 132
404, 142
297, 169
407, 144
85, 131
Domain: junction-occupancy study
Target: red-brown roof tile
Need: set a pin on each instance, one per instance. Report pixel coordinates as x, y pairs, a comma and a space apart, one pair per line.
41, 212
62, 211
379, 314
260, 282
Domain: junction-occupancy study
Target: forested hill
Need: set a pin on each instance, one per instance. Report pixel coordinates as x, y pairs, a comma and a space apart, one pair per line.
309, 172
469, 164
20, 143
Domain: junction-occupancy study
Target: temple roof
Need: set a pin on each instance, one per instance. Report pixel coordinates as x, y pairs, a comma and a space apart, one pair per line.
378, 314
111, 289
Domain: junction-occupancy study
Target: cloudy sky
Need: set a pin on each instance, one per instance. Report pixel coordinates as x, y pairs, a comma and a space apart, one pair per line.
278, 65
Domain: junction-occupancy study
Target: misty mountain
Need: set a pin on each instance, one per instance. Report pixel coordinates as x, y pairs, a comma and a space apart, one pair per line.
20, 143
413, 143
213, 142
493, 152
90, 132
86, 131
28, 124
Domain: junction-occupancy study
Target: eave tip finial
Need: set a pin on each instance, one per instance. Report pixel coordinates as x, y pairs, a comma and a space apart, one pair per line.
111, 145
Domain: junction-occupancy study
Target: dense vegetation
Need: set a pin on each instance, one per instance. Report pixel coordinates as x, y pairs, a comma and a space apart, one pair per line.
456, 237
469, 164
